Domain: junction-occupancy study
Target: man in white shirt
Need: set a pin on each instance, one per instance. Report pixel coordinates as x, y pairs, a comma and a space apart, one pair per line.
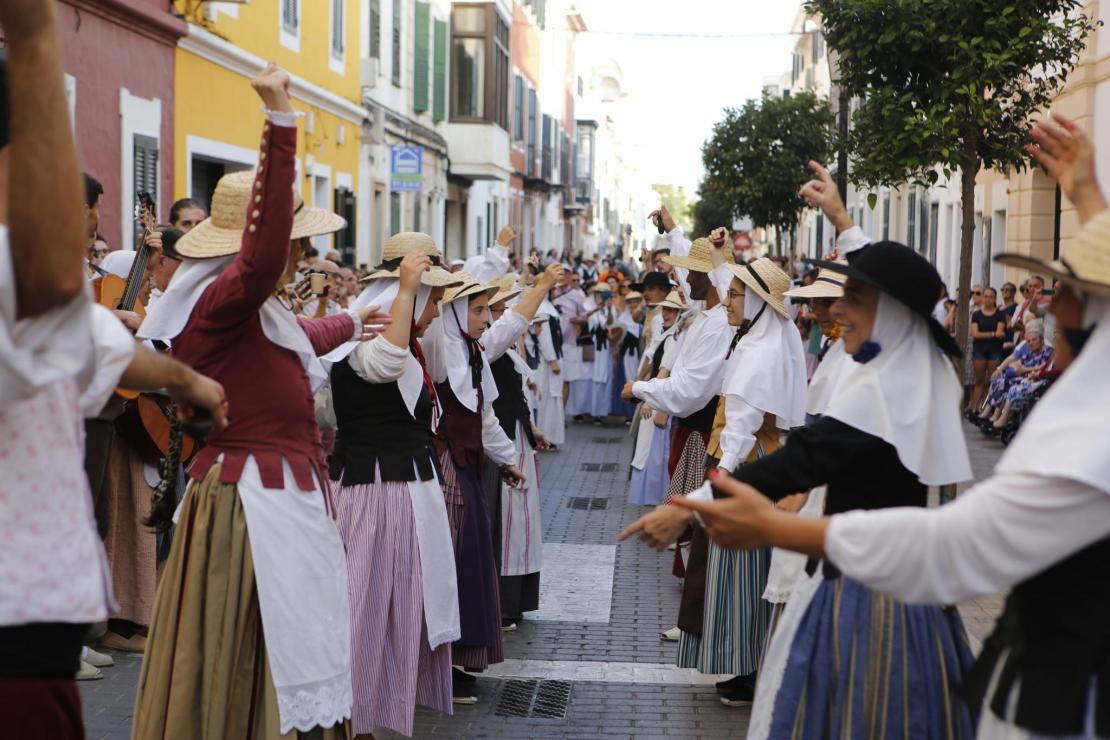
59, 358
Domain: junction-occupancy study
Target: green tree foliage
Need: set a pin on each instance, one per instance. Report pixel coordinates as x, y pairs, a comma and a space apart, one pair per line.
675, 199
949, 84
710, 210
756, 158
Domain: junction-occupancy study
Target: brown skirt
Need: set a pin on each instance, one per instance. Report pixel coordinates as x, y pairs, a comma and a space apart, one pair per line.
205, 674
129, 544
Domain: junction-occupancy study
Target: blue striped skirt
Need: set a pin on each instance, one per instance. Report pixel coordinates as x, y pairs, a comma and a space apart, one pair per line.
863, 665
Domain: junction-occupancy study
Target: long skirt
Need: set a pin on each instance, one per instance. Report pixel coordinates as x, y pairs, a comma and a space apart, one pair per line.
514, 524
130, 545
736, 617
393, 668
618, 406
206, 675
850, 662
550, 414
581, 390
648, 485
476, 567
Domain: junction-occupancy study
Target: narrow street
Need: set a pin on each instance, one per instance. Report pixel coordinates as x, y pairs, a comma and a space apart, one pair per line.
590, 662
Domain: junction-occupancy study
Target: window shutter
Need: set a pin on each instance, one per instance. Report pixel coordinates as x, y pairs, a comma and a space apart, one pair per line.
345, 237
144, 170
337, 30
375, 29
396, 74
439, 73
420, 59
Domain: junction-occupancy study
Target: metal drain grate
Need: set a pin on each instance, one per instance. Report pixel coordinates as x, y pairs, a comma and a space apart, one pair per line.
608, 467
544, 699
607, 440
586, 503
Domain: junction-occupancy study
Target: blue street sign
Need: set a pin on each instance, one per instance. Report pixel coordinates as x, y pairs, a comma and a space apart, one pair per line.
406, 169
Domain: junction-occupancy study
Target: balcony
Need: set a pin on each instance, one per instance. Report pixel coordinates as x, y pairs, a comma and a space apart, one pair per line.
479, 151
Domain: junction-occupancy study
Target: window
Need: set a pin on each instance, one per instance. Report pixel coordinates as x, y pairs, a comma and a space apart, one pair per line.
338, 27
395, 224
291, 16
439, 72
539, 9
345, 238
886, 215
480, 70
144, 169
420, 60
375, 29
911, 220
397, 42
518, 108
548, 147
533, 111
416, 222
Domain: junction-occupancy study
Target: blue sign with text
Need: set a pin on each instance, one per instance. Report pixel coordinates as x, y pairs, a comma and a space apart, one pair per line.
406, 169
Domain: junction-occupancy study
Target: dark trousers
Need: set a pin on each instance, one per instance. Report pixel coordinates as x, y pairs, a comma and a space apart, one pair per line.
98, 444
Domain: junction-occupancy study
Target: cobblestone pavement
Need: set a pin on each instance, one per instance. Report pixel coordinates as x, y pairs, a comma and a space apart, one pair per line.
603, 662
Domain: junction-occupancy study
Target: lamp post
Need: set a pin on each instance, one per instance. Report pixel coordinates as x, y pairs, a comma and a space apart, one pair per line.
842, 124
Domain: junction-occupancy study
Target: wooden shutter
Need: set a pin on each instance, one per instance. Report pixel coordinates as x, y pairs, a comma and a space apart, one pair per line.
420, 58
375, 29
396, 73
439, 73
144, 170
345, 238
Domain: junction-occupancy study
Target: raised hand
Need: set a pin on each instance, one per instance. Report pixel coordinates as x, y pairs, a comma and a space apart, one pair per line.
1065, 150
719, 237
821, 192
413, 267
506, 236
272, 85
551, 276
663, 215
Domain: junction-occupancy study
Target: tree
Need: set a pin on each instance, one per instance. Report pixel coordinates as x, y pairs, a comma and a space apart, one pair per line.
674, 198
756, 158
949, 84
711, 209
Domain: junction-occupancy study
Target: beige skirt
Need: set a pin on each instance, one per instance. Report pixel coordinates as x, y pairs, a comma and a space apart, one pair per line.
205, 674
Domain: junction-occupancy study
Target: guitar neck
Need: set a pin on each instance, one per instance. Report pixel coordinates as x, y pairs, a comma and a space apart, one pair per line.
135, 279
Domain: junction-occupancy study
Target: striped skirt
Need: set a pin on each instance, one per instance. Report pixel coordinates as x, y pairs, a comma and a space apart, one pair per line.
737, 617
479, 595
860, 665
393, 668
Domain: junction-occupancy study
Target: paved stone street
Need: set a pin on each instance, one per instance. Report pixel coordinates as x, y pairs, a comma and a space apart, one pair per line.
590, 663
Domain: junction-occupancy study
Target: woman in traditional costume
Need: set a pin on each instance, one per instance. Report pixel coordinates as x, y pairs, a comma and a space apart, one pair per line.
601, 323
400, 562
546, 351
626, 365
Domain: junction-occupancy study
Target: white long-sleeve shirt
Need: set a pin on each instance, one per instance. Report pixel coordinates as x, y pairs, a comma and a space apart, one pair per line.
502, 334
495, 443
1001, 532
379, 361
698, 372
676, 241
742, 421
490, 264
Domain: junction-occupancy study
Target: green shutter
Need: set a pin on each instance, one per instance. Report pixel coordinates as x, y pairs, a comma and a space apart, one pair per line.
420, 59
439, 80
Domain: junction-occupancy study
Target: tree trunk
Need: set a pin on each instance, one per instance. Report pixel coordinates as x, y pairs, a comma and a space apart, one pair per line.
969, 168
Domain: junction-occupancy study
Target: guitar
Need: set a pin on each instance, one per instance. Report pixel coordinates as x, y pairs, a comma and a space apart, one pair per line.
114, 292
147, 424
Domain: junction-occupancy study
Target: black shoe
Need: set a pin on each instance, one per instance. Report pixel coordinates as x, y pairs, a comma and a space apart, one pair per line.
725, 687
458, 675
741, 696
462, 688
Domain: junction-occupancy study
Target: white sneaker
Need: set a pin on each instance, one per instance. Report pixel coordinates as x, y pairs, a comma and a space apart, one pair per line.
98, 660
670, 635
672, 547
88, 672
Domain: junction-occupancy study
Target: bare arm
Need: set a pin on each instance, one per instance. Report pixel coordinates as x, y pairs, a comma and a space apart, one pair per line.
152, 370
46, 248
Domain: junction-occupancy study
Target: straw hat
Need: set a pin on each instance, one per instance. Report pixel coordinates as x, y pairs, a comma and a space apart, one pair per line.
507, 287
633, 295
398, 246
1087, 263
767, 280
468, 287
673, 300
828, 284
221, 234
600, 287
700, 258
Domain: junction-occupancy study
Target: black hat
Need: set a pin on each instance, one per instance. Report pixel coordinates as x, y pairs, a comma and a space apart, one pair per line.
904, 275
653, 279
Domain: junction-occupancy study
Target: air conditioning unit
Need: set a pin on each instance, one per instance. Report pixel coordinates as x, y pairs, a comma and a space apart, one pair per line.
371, 69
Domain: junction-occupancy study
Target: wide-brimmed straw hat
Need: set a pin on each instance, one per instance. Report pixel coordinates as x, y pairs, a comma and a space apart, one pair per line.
633, 295
507, 287
828, 284
673, 300
400, 245
700, 258
904, 275
221, 234
1086, 264
468, 287
767, 280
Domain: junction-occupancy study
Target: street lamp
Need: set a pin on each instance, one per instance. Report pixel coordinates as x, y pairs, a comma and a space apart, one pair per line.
842, 123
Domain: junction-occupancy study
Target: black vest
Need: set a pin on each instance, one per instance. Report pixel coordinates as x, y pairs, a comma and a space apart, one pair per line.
1056, 629
657, 357
630, 344
375, 429
556, 335
511, 406
702, 421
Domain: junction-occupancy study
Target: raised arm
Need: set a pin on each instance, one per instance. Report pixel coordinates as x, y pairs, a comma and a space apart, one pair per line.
47, 243
530, 301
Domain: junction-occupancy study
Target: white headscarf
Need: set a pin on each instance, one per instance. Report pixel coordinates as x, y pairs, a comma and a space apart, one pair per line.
909, 396
382, 293
1065, 436
768, 368
169, 316
832, 369
448, 356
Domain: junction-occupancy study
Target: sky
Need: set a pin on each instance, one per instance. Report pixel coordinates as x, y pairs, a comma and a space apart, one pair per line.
683, 62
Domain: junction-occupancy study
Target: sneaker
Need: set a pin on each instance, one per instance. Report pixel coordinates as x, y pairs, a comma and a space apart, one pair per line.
508, 625
670, 635
86, 672
741, 696
458, 675
98, 660
462, 690
134, 644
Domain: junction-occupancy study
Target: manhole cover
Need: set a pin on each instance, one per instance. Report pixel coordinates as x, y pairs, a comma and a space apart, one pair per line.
586, 503
607, 440
608, 467
544, 699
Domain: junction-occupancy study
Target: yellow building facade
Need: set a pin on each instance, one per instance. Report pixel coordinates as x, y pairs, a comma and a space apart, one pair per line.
218, 117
